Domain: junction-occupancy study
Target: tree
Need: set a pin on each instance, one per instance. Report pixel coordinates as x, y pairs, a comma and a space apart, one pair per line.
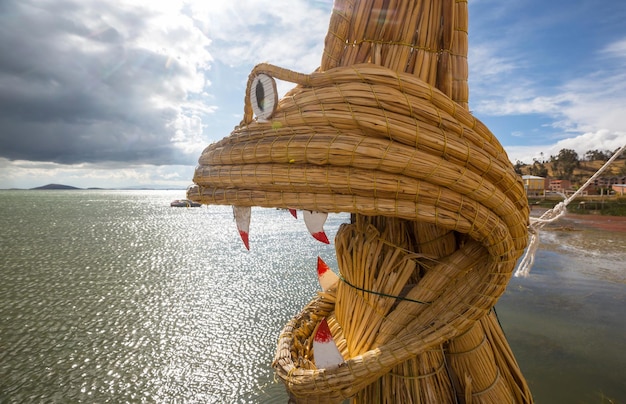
592, 155
518, 167
538, 169
564, 163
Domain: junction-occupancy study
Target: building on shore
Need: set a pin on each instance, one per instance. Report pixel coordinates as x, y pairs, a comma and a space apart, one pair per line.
619, 189
607, 182
534, 185
560, 186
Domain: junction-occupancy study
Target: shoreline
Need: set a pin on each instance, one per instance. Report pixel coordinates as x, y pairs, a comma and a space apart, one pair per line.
609, 223
601, 222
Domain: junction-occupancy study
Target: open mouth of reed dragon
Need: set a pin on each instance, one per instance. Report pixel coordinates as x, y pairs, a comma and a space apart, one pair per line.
365, 139
374, 142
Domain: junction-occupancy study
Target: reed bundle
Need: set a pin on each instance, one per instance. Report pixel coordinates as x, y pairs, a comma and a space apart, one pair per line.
292, 156
424, 38
382, 130
369, 262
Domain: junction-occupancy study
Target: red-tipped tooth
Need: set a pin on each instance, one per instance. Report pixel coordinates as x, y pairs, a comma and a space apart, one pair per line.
327, 278
325, 351
294, 213
242, 218
315, 223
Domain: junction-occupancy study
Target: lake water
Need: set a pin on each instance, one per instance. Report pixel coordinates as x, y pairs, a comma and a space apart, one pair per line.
113, 296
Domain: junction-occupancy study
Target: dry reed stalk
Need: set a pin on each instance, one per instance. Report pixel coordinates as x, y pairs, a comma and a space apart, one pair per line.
433, 242
372, 25
375, 271
457, 303
299, 348
343, 180
460, 90
419, 66
505, 359
444, 68
416, 164
471, 356
416, 387
356, 32
338, 335
423, 377
389, 33
338, 31
427, 42
494, 163
436, 279
374, 74
410, 34
433, 31
427, 385
436, 146
364, 153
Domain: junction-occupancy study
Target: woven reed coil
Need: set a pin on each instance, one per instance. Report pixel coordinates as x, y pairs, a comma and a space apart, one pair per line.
382, 130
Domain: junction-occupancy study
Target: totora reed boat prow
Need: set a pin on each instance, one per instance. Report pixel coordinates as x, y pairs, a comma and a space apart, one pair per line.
439, 217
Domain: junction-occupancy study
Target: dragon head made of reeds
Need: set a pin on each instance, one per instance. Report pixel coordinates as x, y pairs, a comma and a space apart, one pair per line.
366, 137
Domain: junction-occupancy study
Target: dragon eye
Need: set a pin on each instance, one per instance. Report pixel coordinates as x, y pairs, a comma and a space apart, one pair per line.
263, 96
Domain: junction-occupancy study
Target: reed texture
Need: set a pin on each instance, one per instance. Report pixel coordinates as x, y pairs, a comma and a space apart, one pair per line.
382, 130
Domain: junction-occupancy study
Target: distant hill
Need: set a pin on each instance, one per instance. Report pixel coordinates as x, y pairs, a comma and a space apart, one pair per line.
586, 169
589, 168
56, 186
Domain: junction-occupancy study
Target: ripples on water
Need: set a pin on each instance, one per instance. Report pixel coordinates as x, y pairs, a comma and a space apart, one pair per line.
113, 296
566, 320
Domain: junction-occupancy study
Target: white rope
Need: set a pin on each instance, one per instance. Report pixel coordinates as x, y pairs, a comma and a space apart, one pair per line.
551, 215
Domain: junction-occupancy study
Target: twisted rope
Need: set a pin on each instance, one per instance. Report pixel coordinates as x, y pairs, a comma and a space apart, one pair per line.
552, 215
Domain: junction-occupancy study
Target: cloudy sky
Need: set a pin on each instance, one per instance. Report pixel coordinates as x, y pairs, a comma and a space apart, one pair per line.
123, 93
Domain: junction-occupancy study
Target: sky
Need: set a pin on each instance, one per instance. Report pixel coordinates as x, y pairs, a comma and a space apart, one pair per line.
127, 93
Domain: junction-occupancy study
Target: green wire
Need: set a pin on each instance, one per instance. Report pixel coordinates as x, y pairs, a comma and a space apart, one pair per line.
379, 293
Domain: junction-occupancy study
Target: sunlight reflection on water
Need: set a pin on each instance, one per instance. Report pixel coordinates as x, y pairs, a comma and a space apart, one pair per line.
600, 254
115, 296
565, 321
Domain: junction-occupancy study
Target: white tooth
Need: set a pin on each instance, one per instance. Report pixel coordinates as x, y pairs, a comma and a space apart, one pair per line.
242, 218
325, 351
327, 278
315, 224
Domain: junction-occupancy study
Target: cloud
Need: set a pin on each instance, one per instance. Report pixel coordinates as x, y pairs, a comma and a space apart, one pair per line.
30, 174
129, 92
91, 81
88, 86
616, 49
602, 140
288, 33
583, 112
